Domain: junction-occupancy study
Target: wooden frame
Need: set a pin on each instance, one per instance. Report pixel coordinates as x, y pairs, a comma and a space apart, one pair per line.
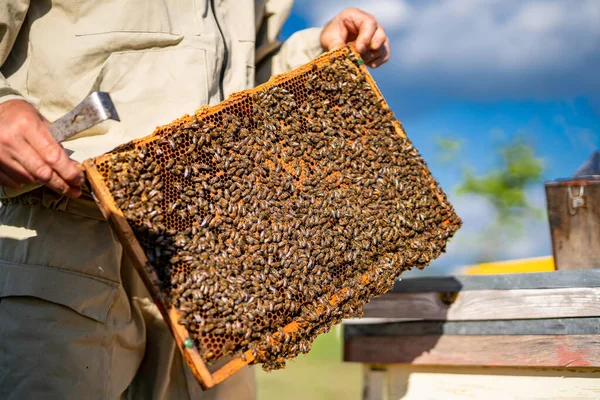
547, 319
117, 220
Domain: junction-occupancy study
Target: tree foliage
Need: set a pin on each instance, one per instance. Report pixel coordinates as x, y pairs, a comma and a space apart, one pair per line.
448, 149
505, 185
516, 169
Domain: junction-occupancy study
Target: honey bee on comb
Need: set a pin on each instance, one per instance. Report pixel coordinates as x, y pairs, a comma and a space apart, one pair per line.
291, 204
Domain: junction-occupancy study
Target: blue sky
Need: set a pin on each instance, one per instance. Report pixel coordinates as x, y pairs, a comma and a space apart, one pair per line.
482, 71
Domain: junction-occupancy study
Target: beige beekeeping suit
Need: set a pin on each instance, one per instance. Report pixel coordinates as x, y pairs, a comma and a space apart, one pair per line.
75, 320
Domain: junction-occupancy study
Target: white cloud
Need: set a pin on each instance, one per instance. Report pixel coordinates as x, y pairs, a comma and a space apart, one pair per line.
389, 13
487, 48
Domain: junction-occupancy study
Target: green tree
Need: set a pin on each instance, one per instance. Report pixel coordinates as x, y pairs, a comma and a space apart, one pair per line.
506, 184
448, 149
516, 168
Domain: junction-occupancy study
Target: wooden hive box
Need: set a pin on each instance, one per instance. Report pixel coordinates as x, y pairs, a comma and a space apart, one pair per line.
517, 336
402, 218
574, 216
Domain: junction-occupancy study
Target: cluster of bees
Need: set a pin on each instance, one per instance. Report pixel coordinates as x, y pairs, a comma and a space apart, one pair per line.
297, 203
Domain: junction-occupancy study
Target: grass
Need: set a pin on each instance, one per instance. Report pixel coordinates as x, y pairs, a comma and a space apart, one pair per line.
318, 375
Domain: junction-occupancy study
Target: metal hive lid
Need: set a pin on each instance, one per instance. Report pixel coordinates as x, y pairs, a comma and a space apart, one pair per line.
590, 169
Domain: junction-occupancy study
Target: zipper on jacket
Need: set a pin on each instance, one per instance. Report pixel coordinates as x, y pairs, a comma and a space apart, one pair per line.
225, 51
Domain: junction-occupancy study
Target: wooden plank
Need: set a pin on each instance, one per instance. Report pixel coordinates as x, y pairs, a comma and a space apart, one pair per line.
537, 280
409, 382
488, 305
558, 326
496, 350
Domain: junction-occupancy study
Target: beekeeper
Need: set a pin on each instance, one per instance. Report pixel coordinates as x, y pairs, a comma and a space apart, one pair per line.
75, 319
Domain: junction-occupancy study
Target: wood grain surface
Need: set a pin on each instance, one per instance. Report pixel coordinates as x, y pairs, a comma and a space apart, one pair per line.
550, 326
497, 350
575, 231
500, 383
488, 304
532, 280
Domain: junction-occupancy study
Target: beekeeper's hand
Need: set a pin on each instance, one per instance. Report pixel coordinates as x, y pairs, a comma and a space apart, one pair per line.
356, 25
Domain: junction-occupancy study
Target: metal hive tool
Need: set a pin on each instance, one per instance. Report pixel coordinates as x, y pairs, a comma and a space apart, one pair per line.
260, 222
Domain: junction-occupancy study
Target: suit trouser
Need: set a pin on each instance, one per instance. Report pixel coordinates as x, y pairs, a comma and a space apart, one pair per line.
76, 321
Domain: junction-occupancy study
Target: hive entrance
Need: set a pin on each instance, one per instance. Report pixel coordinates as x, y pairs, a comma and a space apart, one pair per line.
291, 204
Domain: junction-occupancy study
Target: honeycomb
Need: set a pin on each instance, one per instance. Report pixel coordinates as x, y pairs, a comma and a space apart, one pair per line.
294, 203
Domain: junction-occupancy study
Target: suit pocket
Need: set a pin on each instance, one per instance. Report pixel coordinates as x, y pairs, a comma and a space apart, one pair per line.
136, 16
54, 334
89, 296
149, 88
